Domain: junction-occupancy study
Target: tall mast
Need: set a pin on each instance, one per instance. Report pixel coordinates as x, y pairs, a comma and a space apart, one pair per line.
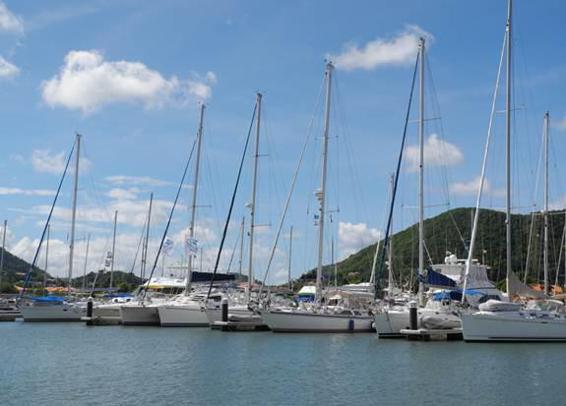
321, 194
546, 124
254, 190
74, 212
334, 265
390, 245
242, 227
421, 164
508, 146
146, 242
3, 250
86, 261
46, 257
194, 203
113, 250
290, 257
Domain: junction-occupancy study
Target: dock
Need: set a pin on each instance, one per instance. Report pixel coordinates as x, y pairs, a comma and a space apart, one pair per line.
425, 334
239, 326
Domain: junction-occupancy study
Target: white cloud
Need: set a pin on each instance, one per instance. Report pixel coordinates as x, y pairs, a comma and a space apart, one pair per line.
4, 191
9, 22
121, 180
8, 69
397, 51
353, 237
87, 82
44, 161
561, 124
123, 194
471, 188
437, 152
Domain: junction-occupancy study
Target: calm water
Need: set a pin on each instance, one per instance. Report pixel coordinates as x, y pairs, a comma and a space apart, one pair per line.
71, 364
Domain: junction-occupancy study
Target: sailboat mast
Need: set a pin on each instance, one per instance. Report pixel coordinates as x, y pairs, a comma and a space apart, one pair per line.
146, 242
113, 250
242, 227
254, 192
321, 195
3, 250
86, 261
290, 257
390, 246
334, 265
46, 257
421, 165
74, 212
194, 202
508, 147
546, 124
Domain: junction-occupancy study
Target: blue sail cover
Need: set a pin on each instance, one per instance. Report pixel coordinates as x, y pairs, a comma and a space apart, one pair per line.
48, 299
433, 278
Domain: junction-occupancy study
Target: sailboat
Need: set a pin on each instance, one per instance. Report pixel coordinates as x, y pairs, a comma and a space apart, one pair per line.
52, 308
319, 317
438, 312
499, 320
239, 309
185, 310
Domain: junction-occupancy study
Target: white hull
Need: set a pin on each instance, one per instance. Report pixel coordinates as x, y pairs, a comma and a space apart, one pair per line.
510, 326
105, 314
307, 322
189, 315
390, 322
139, 315
54, 312
236, 313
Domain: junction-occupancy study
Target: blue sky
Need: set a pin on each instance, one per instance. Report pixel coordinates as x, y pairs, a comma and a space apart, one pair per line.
128, 75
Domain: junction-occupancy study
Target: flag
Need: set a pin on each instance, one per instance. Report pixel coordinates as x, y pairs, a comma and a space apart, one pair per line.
191, 246
168, 245
108, 259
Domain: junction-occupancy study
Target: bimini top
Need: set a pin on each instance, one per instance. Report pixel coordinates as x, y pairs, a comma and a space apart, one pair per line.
48, 299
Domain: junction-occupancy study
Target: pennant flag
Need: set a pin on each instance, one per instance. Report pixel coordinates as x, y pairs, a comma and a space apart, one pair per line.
168, 245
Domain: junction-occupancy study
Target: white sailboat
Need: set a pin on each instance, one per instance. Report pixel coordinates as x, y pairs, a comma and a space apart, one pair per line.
319, 317
52, 308
185, 310
506, 321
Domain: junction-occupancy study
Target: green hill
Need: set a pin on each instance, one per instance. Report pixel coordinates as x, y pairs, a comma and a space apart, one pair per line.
15, 270
125, 281
450, 231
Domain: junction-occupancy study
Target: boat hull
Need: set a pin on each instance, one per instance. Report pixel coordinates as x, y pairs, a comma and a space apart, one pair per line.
507, 327
182, 316
139, 315
56, 312
390, 322
305, 322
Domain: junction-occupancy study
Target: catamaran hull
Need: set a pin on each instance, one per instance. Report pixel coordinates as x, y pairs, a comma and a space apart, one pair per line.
104, 315
235, 314
139, 315
510, 327
291, 322
52, 313
182, 316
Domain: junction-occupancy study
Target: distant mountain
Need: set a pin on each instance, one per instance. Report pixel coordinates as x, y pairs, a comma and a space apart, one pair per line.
15, 270
450, 231
125, 281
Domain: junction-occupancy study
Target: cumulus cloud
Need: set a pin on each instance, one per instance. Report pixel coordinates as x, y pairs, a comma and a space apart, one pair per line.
123, 194
437, 152
8, 69
396, 51
44, 161
87, 81
121, 180
5, 191
471, 188
9, 22
353, 237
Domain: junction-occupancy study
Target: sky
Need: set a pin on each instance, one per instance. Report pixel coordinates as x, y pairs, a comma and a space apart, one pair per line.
130, 77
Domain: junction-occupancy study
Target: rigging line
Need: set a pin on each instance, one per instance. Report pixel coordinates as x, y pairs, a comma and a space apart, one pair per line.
227, 223
139, 246
32, 265
483, 169
179, 189
233, 252
396, 181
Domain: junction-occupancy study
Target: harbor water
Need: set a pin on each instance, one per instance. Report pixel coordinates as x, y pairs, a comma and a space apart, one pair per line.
71, 364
